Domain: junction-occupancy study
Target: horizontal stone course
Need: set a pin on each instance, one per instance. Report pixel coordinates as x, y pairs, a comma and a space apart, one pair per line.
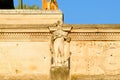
30, 16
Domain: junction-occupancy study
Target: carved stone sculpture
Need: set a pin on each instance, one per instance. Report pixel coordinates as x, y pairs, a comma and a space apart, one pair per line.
49, 5
59, 40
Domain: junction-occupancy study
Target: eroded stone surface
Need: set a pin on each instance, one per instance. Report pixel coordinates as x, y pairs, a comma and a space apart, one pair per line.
24, 57
95, 57
30, 16
25, 50
59, 73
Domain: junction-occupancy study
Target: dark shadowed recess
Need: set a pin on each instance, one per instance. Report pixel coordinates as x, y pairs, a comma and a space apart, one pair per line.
6, 4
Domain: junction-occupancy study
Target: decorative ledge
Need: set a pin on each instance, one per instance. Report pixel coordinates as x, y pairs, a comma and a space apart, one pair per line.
17, 32
30, 11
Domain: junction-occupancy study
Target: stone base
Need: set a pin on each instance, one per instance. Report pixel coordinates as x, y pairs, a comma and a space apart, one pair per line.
95, 77
59, 73
24, 77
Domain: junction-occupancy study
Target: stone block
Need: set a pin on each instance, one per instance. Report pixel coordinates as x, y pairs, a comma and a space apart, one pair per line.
59, 73
30, 16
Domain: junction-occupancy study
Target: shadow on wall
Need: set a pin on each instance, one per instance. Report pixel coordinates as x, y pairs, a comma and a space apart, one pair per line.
6, 4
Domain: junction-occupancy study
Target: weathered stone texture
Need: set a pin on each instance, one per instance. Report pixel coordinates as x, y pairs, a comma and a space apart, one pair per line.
25, 39
24, 58
30, 16
95, 57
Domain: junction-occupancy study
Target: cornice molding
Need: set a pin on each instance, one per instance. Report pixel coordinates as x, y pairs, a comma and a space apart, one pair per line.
36, 33
29, 11
24, 36
95, 36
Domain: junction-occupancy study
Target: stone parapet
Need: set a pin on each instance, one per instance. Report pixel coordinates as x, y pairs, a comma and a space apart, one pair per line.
30, 16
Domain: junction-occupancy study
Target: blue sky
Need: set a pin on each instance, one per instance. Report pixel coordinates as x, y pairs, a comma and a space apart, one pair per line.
86, 11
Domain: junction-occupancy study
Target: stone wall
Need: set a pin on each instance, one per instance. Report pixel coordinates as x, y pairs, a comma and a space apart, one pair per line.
25, 39
95, 57
24, 58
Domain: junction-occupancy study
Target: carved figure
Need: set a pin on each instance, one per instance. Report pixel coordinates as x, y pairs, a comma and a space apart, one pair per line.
58, 39
49, 5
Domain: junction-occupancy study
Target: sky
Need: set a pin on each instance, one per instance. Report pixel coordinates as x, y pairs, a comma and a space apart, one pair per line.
86, 11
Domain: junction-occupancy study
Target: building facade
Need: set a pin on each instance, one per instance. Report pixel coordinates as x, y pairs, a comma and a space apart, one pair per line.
25, 46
